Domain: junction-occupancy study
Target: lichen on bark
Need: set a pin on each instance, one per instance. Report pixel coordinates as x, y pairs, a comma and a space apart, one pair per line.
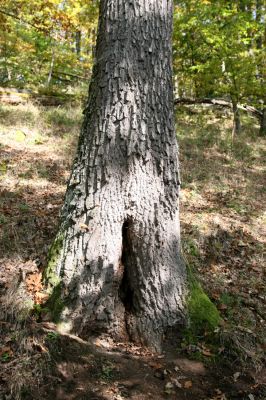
51, 277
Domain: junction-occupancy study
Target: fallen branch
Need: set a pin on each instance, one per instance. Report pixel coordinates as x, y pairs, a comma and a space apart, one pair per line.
219, 102
72, 75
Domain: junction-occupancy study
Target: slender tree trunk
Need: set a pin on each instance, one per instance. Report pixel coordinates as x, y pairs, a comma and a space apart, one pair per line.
117, 254
263, 122
51, 68
236, 114
91, 45
259, 13
260, 42
78, 42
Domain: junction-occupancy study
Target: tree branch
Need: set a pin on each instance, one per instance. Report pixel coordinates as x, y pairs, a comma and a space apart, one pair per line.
219, 102
21, 20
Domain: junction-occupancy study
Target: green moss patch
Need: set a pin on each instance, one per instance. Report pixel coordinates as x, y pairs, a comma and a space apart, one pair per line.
200, 337
203, 314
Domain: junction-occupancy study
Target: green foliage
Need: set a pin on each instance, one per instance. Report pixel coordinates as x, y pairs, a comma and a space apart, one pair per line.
60, 117
42, 42
24, 208
52, 336
38, 310
218, 47
216, 51
3, 219
5, 357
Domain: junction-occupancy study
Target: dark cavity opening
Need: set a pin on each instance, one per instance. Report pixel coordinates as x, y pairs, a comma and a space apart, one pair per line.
126, 289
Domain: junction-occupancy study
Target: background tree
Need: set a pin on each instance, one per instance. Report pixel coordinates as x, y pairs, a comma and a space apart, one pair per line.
216, 52
46, 43
219, 49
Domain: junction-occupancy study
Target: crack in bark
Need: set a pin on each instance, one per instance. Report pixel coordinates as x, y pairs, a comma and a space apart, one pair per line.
126, 288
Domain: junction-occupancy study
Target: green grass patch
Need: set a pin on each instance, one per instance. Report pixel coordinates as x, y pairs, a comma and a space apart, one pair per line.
62, 117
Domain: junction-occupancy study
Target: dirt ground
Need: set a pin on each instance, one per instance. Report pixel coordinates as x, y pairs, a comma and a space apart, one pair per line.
222, 220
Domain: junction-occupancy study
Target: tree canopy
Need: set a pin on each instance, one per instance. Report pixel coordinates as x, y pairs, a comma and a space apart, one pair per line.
219, 46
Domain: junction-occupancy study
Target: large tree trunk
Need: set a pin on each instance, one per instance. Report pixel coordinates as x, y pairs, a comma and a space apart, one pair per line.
117, 254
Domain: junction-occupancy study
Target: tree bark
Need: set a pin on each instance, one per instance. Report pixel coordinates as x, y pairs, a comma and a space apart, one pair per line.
263, 122
117, 254
236, 114
259, 13
78, 43
51, 67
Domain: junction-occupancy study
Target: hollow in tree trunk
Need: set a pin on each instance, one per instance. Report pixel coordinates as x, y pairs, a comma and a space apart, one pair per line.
116, 258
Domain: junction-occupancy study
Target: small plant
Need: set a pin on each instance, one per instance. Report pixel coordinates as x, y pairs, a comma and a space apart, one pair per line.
107, 370
52, 336
23, 207
3, 219
191, 248
5, 357
42, 171
38, 139
38, 310
53, 344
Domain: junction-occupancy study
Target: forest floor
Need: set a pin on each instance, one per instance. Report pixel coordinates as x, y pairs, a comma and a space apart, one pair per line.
222, 217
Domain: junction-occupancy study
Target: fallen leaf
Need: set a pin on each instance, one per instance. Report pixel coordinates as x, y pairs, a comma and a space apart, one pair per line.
177, 383
39, 347
169, 388
236, 376
84, 226
206, 352
222, 307
98, 343
169, 385
187, 384
41, 297
155, 365
6, 350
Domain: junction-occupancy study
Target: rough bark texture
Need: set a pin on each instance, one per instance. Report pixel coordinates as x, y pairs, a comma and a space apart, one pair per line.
119, 262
